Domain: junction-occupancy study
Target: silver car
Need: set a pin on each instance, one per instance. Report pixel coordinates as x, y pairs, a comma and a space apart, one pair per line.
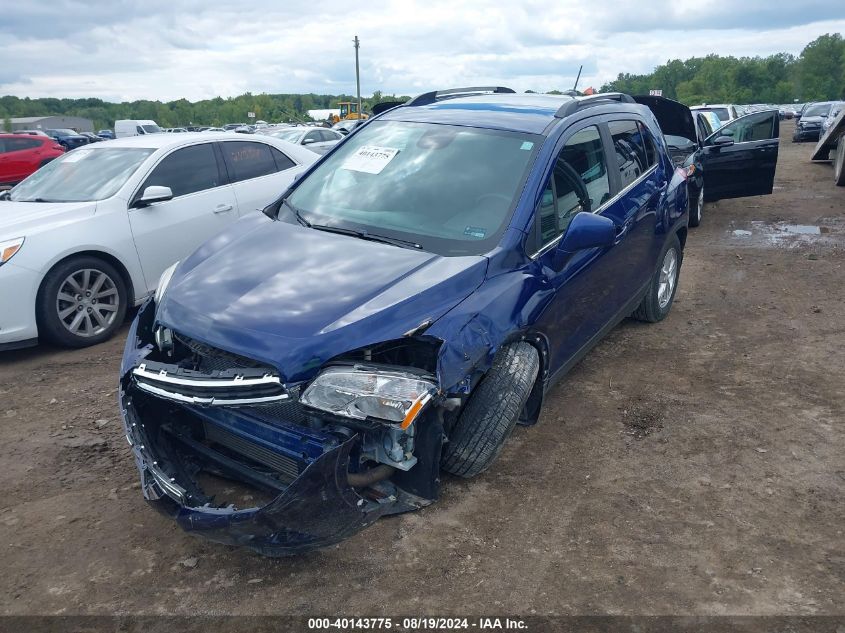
319, 140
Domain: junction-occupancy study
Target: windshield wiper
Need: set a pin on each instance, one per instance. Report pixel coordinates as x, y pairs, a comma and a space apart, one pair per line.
366, 235
296, 213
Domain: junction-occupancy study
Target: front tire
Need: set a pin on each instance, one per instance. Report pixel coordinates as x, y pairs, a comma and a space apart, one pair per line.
492, 411
661, 291
82, 301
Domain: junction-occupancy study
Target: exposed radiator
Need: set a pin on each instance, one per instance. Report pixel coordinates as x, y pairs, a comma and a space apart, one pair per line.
288, 468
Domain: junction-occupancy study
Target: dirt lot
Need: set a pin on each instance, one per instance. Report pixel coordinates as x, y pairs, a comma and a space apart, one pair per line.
690, 467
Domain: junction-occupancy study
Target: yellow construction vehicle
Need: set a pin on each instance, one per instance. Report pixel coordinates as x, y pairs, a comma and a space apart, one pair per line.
349, 112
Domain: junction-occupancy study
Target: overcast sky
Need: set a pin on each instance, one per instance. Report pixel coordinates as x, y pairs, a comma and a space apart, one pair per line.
166, 49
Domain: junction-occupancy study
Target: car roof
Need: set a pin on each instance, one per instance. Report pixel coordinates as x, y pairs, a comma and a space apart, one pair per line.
38, 137
711, 105
531, 113
517, 112
166, 139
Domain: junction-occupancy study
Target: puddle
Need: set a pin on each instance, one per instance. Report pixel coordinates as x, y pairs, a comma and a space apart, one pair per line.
784, 235
800, 229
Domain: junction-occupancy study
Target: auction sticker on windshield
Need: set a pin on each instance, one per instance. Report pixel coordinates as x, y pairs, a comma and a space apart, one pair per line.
370, 159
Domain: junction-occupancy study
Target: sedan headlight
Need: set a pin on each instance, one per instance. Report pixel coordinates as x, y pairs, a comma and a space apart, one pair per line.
163, 282
9, 248
392, 396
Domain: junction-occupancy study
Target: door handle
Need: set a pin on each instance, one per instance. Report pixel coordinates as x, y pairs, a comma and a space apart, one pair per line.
223, 208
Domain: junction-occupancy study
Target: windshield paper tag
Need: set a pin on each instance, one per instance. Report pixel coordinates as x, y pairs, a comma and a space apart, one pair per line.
475, 231
77, 155
370, 159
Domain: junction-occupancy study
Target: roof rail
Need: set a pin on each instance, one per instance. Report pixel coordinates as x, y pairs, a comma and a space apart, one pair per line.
571, 107
437, 95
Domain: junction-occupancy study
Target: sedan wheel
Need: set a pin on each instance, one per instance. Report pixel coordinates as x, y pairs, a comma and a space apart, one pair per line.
82, 301
87, 302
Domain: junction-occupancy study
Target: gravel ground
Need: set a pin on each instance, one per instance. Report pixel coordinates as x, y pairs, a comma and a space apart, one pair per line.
689, 467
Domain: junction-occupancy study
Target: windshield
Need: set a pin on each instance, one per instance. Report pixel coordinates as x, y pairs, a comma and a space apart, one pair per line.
451, 189
151, 129
722, 113
64, 132
819, 109
291, 136
81, 175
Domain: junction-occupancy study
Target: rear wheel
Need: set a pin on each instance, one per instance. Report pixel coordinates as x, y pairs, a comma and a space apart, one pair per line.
697, 209
81, 302
661, 291
839, 163
492, 411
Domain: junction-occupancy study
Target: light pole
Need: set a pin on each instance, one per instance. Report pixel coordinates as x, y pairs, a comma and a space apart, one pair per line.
358, 78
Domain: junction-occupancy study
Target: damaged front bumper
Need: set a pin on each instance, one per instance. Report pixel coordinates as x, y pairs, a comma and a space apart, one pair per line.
317, 508
303, 474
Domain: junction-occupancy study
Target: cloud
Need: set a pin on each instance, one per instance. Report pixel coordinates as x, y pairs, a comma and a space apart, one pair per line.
168, 49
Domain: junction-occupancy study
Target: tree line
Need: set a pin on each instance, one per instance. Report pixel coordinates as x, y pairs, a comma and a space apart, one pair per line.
214, 112
817, 74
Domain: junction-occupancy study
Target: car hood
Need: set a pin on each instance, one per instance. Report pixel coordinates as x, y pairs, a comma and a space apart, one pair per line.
296, 297
673, 117
812, 119
23, 218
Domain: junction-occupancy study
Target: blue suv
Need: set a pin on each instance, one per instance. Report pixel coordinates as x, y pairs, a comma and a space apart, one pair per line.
397, 312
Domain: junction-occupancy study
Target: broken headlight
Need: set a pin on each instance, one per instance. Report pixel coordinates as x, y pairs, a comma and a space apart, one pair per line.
359, 393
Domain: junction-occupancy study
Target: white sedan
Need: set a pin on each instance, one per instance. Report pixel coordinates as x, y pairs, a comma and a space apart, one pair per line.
89, 234
317, 139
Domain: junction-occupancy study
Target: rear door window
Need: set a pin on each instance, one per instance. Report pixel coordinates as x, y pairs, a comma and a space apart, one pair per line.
629, 147
186, 170
246, 159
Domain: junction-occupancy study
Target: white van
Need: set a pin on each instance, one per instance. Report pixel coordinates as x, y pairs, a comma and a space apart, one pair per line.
135, 127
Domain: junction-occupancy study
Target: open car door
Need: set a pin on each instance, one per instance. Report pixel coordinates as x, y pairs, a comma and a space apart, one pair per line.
739, 158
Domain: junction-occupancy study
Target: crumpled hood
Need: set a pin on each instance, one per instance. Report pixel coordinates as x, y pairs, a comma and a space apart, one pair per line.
295, 297
24, 218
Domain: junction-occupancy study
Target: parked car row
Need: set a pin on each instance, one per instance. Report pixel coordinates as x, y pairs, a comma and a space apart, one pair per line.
815, 119
398, 307
89, 234
23, 154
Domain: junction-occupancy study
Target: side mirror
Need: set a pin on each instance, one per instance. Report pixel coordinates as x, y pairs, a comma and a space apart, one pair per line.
154, 194
723, 141
587, 230
308, 141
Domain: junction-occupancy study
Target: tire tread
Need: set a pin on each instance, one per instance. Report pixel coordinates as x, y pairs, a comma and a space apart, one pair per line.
492, 411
